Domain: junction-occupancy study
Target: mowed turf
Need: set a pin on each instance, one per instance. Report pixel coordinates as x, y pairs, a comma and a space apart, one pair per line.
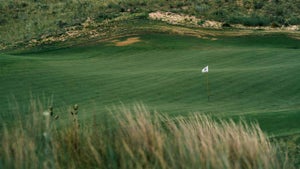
256, 77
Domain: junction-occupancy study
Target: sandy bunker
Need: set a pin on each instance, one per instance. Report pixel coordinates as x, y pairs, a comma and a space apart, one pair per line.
127, 42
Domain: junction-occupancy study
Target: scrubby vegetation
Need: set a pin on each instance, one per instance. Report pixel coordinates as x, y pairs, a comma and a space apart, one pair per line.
25, 20
134, 138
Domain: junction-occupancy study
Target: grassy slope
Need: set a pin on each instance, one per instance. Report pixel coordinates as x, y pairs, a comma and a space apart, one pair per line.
250, 75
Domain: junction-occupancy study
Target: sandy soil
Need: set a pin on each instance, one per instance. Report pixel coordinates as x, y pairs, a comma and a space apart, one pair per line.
127, 42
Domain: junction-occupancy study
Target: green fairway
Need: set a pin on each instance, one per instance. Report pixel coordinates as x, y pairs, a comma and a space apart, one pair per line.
253, 76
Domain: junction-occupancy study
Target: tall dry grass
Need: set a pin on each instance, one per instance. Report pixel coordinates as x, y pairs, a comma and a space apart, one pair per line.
135, 138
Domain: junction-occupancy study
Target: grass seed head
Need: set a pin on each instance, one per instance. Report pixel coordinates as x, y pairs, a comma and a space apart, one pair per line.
50, 110
75, 107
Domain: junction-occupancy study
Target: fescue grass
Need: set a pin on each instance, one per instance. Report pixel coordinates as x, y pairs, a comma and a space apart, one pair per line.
136, 138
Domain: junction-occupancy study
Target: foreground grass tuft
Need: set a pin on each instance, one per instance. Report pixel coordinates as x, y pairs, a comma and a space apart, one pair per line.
136, 138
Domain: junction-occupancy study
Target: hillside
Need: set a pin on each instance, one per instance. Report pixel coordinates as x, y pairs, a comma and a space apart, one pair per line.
22, 22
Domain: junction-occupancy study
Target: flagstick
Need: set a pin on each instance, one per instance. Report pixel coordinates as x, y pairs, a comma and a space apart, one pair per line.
207, 87
205, 70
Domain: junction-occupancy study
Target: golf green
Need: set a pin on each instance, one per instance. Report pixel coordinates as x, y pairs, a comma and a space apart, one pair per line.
256, 77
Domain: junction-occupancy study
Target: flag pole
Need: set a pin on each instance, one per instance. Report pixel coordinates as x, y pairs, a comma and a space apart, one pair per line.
207, 86
205, 70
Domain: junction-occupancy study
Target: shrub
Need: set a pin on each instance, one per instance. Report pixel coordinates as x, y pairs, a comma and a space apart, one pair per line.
2, 21
258, 4
226, 25
201, 22
253, 20
275, 25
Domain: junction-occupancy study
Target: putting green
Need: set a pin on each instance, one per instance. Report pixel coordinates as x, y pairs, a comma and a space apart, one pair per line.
253, 76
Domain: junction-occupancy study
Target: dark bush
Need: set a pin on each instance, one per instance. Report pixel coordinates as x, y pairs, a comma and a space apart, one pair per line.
61, 24
122, 9
258, 4
180, 4
275, 25
3, 21
108, 15
226, 25
24, 4
253, 20
201, 22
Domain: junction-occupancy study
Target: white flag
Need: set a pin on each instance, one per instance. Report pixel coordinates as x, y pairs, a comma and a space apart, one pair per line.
205, 70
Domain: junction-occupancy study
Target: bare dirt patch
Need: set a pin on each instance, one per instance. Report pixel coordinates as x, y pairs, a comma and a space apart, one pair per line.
181, 19
127, 42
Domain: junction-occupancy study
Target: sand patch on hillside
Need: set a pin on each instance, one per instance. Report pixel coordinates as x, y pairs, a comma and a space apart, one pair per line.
127, 42
182, 19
